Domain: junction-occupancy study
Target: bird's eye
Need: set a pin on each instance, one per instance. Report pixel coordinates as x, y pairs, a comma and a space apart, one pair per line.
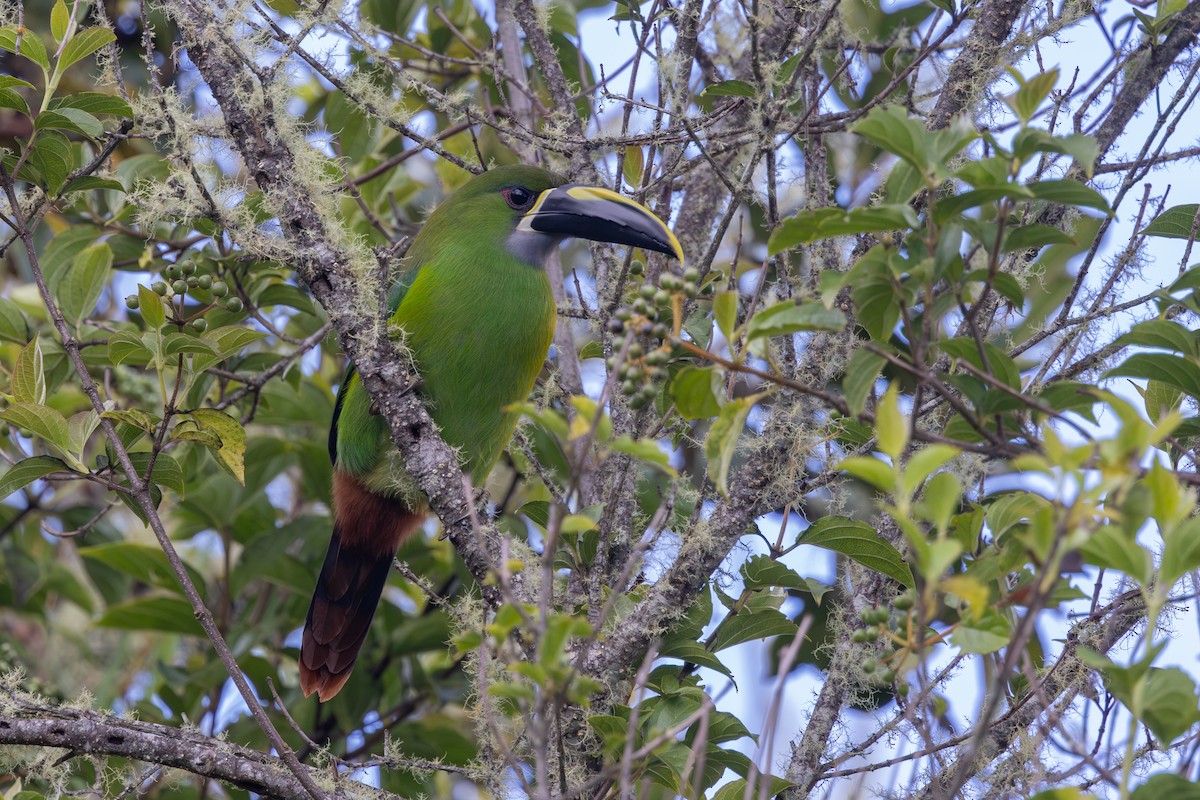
518, 197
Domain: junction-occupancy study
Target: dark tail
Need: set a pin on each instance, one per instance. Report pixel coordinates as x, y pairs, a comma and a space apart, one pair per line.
367, 529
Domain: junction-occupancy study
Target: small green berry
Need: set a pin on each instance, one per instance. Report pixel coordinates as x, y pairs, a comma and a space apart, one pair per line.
623, 314
888, 676
649, 392
904, 602
640, 307
859, 636
638, 402
220, 289
658, 374
656, 358
668, 282
662, 297
903, 689
646, 291
159, 288
204, 281
691, 274
629, 387
179, 287
866, 615
193, 283
200, 325
660, 331
234, 304
691, 290
615, 326
189, 268
637, 267
172, 273
636, 350
869, 665
131, 302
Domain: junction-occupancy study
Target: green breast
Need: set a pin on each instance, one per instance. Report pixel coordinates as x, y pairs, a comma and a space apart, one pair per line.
479, 332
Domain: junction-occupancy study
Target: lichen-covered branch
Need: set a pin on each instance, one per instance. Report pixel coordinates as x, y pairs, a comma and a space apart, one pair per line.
87, 733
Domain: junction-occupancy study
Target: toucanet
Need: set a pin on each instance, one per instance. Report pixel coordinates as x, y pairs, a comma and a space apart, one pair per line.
478, 315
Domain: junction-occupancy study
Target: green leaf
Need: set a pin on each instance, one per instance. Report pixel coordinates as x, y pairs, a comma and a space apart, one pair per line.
695, 391
692, 651
83, 44
166, 614
24, 42
128, 346
13, 325
1181, 551
729, 89
1182, 373
736, 789
1163, 334
94, 103
1027, 237
746, 627
1168, 700
60, 19
1157, 787
132, 416
824, 223
725, 312
861, 373
141, 562
167, 471
859, 541
998, 363
983, 636
1069, 193
785, 318
633, 166
41, 421
52, 158
1174, 223
761, 572
87, 182
178, 342
28, 384
231, 454
70, 119
893, 130
891, 426
871, 470
82, 286
12, 99
1112, 548
1033, 92
722, 439
229, 340
1003, 283
28, 470
645, 450
151, 306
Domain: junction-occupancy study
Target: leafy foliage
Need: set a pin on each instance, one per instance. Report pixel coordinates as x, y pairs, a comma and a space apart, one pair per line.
838, 387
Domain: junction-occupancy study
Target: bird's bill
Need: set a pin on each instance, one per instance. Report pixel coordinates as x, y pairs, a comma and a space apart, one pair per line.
589, 212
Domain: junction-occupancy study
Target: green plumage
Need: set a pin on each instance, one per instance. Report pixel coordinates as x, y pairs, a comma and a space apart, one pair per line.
478, 322
478, 317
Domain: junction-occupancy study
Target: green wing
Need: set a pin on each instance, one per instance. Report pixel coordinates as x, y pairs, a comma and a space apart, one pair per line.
395, 296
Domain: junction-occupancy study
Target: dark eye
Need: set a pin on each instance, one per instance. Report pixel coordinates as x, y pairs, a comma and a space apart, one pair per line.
518, 197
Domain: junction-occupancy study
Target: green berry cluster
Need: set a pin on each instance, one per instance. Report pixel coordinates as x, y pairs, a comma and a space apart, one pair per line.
186, 277
644, 366
890, 629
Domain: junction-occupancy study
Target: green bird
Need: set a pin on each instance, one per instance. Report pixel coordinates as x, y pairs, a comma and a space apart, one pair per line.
478, 316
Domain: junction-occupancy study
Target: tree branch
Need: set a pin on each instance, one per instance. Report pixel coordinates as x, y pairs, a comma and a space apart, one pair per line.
89, 733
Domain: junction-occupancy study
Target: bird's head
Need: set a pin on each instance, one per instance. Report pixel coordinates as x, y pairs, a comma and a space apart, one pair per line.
533, 210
